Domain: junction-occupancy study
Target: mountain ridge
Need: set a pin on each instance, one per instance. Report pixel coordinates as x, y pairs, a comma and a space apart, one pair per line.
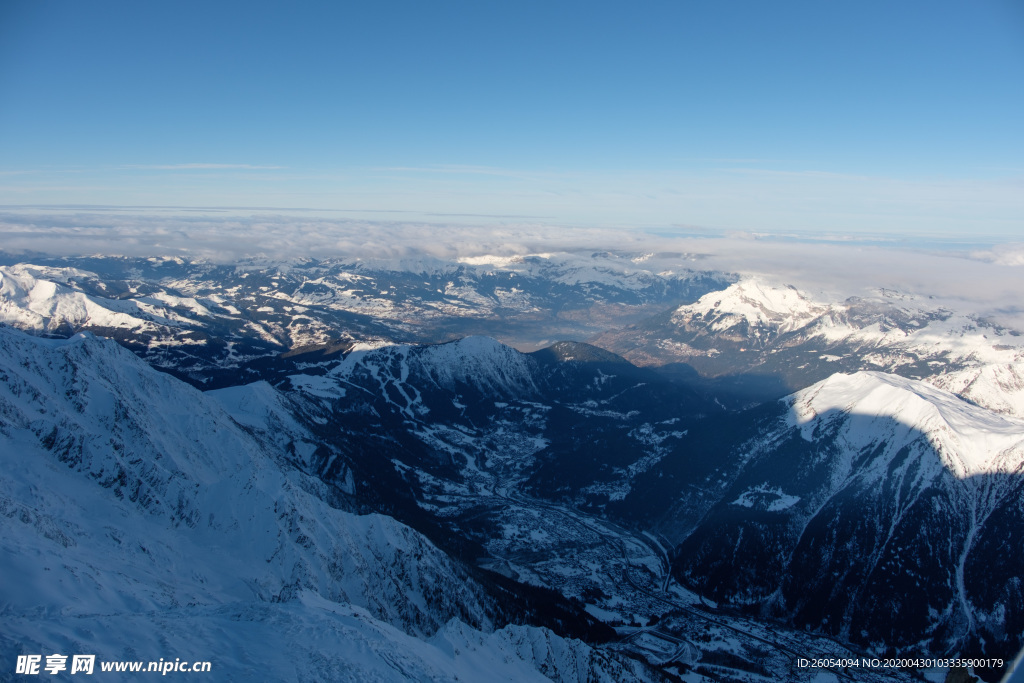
84, 491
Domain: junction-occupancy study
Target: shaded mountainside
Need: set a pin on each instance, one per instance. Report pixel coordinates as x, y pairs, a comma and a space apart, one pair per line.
452, 410
873, 508
869, 506
815, 510
139, 517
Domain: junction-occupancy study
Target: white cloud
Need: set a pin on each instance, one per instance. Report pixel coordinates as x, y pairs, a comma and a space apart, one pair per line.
1005, 255
715, 194
839, 270
987, 282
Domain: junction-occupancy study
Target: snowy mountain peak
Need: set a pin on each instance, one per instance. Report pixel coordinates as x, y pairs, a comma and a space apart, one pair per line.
85, 425
134, 509
763, 329
479, 361
969, 439
42, 299
755, 302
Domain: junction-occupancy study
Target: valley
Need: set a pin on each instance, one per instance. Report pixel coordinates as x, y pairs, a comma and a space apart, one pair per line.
775, 478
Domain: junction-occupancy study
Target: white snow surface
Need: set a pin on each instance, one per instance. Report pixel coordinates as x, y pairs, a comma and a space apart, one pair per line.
765, 497
998, 386
140, 521
481, 361
978, 361
755, 302
33, 298
969, 439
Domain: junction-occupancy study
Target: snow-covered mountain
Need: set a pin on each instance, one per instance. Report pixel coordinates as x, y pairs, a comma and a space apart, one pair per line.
757, 329
876, 508
513, 453
464, 428
474, 410
53, 300
451, 500
142, 521
218, 325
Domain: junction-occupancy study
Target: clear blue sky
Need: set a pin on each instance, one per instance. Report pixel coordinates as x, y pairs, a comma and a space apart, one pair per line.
834, 116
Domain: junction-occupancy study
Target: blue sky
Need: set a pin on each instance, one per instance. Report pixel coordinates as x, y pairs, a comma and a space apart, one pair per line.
811, 117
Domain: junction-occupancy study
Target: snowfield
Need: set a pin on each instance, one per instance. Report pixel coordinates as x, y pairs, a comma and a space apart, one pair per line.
141, 522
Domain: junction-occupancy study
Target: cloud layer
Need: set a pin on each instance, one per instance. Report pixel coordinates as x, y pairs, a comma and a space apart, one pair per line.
987, 281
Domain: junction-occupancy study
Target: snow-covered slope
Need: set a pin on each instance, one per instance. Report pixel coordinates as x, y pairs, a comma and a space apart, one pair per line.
876, 508
755, 304
140, 521
760, 328
478, 362
91, 428
313, 639
997, 386
36, 298
968, 440
200, 319
539, 650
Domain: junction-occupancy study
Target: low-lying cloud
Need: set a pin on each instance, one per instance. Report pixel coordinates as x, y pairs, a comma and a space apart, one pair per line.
985, 281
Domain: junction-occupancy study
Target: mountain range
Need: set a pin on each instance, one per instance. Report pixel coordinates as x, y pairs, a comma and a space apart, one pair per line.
731, 474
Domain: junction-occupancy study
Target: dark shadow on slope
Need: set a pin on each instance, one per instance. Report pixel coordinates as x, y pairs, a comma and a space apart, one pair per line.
373, 437
737, 391
578, 352
871, 555
318, 353
518, 603
606, 416
762, 528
